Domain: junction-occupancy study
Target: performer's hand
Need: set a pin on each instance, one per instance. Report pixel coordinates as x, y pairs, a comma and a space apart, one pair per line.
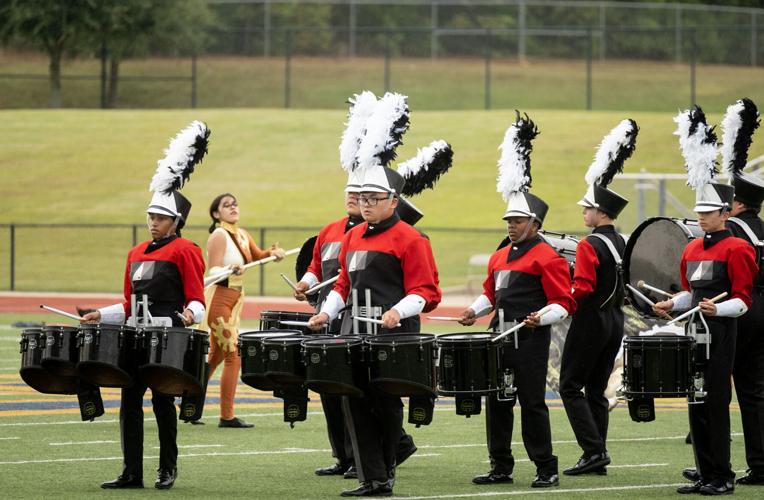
278, 252
299, 291
707, 307
533, 320
318, 321
468, 317
663, 307
236, 268
91, 317
188, 317
391, 319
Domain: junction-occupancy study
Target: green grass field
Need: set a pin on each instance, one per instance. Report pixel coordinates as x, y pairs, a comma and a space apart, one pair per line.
75, 166
49, 453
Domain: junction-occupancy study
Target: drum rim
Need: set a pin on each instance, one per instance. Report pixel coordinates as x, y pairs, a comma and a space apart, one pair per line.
299, 338
389, 339
173, 329
469, 337
336, 342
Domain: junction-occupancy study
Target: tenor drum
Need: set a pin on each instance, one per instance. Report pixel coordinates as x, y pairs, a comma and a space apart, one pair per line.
564, 244
61, 353
176, 362
272, 320
335, 365
109, 354
32, 347
469, 364
403, 364
658, 366
254, 358
652, 255
284, 363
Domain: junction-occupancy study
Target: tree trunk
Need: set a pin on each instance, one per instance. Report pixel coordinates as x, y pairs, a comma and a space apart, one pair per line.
54, 75
111, 100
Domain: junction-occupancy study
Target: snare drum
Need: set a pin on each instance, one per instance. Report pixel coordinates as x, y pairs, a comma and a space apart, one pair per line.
32, 347
284, 363
335, 366
658, 366
403, 364
469, 364
61, 354
176, 362
109, 354
271, 320
254, 357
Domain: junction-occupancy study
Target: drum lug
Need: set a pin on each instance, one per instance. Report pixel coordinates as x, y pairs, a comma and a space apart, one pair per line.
392, 351
22, 345
61, 339
164, 340
348, 359
421, 353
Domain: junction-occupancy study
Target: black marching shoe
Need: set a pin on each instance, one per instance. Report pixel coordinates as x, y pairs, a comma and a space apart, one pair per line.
545, 481
586, 465
165, 478
351, 473
193, 422
370, 489
493, 478
123, 481
236, 423
691, 474
718, 487
751, 478
332, 470
690, 488
402, 457
602, 471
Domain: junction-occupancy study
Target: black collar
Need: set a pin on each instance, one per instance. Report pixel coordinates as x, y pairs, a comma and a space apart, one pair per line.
157, 244
711, 239
748, 215
517, 250
352, 222
381, 227
609, 228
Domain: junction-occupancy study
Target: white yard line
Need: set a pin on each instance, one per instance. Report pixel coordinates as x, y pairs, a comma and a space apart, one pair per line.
8, 438
183, 446
77, 443
547, 491
112, 421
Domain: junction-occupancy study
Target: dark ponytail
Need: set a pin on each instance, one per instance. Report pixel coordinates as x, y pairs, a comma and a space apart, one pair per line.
214, 208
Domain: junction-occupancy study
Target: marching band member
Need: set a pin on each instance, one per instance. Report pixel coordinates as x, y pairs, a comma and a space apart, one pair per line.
716, 263
228, 247
527, 282
596, 331
169, 269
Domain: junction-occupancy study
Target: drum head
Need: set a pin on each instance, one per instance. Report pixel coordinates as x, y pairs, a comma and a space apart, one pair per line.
401, 338
264, 334
332, 342
653, 253
45, 382
465, 337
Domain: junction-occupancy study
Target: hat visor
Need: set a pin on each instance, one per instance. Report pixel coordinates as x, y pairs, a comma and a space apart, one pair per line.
517, 213
586, 203
708, 207
155, 209
353, 188
373, 188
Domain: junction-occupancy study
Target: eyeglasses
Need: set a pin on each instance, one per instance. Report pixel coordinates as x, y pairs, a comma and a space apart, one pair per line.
372, 201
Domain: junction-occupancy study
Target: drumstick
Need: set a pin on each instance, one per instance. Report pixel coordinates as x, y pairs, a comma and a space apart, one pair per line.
696, 309
642, 284
294, 323
62, 313
647, 301
288, 281
321, 285
372, 320
443, 318
211, 280
518, 326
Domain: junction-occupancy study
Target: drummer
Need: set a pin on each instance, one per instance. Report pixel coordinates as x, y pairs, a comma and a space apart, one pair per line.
716, 263
228, 247
169, 269
527, 282
596, 331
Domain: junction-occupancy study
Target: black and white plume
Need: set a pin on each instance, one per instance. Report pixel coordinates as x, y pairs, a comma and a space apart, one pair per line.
361, 108
185, 151
515, 161
384, 131
613, 151
422, 171
738, 125
697, 141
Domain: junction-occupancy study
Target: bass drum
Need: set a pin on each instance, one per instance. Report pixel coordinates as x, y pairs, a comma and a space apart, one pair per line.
652, 255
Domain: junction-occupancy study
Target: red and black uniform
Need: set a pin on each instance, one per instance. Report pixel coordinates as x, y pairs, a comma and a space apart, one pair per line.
171, 272
326, 265
392, 260
748, 369
716, 263
523, 278
593, 339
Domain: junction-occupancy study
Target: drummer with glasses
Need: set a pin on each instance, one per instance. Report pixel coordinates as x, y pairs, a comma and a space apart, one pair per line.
170, 271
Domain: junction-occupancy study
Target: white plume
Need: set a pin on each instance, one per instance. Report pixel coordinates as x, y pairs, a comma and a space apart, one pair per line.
185, 150
698, 145
361, 108
384, 130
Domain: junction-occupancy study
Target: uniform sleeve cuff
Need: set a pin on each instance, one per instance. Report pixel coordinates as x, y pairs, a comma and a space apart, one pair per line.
481, 306
198, 309
333, 305
731, 308
410, 305
113, 314
681, 301
310, 278
554, 314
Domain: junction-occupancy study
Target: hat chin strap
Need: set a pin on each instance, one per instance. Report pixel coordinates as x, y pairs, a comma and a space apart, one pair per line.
525, 233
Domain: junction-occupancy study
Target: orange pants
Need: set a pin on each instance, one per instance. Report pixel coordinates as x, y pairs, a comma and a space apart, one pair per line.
222, 321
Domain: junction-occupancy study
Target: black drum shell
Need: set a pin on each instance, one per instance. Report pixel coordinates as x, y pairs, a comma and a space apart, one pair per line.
176, 363
469, 364
270, 320
403, 364
109, 354
336, 366
32, 347
658, 366
284, 362
254, 358
61, 353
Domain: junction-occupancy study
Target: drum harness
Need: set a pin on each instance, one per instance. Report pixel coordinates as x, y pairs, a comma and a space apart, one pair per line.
618, 268
145, 319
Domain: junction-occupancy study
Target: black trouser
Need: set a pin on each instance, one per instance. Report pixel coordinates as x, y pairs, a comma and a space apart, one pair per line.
131, 429
590, 349
710, 420
342, 449
530, 366
748, 373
